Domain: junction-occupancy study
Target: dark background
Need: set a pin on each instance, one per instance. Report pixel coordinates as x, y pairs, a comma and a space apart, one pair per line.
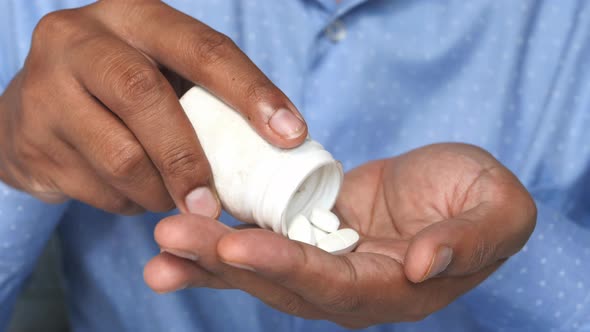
40, 307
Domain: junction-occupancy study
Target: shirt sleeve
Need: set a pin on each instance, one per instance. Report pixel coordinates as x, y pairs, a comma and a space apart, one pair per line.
26, 224
545, 287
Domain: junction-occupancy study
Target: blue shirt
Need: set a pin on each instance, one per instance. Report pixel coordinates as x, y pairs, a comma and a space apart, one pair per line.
385, 77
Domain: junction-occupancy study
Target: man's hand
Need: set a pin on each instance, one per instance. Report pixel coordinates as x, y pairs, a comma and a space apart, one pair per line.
93, 114
434, 223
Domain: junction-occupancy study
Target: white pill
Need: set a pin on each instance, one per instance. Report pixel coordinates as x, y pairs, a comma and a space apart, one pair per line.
318, 234
340, 242
324, 220
300, 229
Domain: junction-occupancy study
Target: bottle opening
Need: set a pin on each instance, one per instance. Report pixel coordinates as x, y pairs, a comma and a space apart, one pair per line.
318, 190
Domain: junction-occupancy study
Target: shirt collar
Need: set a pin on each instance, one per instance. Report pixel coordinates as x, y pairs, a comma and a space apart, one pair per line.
339, 8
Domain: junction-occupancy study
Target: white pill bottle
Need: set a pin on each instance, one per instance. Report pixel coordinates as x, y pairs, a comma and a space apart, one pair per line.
257, 182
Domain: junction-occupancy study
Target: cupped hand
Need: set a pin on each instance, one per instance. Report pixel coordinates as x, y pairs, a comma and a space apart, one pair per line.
434, 223
93, 114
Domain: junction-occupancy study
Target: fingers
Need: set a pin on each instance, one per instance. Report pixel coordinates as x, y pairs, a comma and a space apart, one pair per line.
197, 237
168, 273
51, 170
133, 88
209, 58
393, 248
466, 244
335, 283
434, 294
475, 212
355, 290
193, 235
366, 286
114, 153
76, 179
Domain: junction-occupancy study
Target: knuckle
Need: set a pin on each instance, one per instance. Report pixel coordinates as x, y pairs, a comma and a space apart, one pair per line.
49, 23
180, 161
480, 256
25, 149
56, 24
40, 186
138, 81
124, 160
211, 48
43, 185
258, 90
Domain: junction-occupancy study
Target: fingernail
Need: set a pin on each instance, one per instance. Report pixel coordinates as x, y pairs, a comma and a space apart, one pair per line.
181, 288
440, 262
286, 124
181, 254
240, 266
201, 201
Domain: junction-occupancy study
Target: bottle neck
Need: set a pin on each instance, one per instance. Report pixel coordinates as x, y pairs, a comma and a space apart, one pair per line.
302, 179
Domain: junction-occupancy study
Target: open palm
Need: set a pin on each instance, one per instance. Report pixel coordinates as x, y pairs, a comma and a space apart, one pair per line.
451, 195
434, 223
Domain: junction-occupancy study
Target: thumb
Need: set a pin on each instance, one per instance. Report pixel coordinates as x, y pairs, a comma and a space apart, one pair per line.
465, 244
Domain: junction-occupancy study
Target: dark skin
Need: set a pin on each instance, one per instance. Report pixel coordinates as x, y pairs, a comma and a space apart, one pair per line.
94, 113
407, 209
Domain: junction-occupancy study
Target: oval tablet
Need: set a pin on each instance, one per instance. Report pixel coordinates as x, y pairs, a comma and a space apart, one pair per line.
318, 234
340, 242
324, 220
300, 229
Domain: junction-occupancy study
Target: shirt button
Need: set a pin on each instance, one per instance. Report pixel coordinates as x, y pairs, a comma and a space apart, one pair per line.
336, 31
